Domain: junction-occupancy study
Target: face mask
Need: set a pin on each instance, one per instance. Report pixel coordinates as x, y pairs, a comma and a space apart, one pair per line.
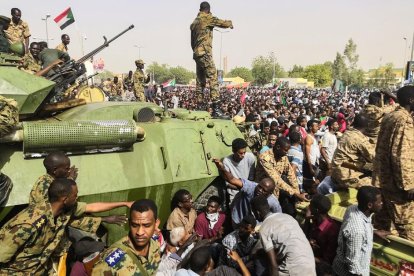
212, 219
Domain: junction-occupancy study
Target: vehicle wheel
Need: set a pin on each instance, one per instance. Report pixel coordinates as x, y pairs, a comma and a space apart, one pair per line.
217, 188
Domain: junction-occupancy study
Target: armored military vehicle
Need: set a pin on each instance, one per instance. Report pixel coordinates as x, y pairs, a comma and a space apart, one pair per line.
124, 150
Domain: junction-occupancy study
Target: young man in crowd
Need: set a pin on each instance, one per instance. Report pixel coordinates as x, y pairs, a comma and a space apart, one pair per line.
295, 156
209, 223
248, 190
353, 256
241, 164
329, 145
321, 230
288, 250
242, 241
183, 213
311, 151
271, 141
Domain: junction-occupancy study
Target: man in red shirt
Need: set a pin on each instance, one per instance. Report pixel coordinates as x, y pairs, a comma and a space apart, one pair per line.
321, 230
208, 224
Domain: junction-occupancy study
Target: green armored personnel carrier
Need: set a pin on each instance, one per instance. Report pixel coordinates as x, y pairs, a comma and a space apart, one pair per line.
124, 150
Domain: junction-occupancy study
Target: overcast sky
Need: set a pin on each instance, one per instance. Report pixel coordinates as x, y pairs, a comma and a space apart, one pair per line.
299, 31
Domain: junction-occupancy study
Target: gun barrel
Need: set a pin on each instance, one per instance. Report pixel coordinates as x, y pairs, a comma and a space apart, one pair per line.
105, 44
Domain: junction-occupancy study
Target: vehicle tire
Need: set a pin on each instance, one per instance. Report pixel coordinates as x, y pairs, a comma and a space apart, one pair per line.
216, 188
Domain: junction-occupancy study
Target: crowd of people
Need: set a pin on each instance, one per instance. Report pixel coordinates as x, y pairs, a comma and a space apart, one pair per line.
294, 157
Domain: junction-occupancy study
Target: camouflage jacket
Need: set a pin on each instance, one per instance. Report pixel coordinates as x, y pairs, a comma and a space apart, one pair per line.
394, 160
118, 260
9, 115
39, 195
62, 47
30, 65
30, 239
279, 170
17, 32
356, 149
375, 115
202, 32
139, 80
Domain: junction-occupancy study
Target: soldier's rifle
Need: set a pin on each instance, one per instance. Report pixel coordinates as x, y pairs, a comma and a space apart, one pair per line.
66, 74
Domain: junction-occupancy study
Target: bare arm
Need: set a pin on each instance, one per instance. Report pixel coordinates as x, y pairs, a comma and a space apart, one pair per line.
105, 206
308, 145
271, 255
48, 68
228, 176
236, 258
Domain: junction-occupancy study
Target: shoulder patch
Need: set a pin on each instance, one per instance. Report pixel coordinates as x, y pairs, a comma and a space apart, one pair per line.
40, 222
114, 257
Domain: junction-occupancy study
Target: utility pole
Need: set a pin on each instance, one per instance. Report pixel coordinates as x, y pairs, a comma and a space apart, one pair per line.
47, 32
139, 50
221, 43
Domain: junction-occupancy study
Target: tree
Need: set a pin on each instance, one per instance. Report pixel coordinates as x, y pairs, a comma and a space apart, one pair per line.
242, 72
339, 69
161, 72
296, 72
262, 69
351, 55
182, 75
105, 75
382, 77
320, 74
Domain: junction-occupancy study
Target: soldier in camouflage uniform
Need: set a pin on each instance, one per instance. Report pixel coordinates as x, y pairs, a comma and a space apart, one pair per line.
28, 241
18, 30
64, 45
394, 164
352, 161
275, 164
201, 43
375, 111
9, 115
140, 80
30, 62
136, 254
117, 88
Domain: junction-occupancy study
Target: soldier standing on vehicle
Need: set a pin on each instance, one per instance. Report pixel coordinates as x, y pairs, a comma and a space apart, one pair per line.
64, 45
352, 161
137, 253
18, 30
201, 43
394, 164
140, 80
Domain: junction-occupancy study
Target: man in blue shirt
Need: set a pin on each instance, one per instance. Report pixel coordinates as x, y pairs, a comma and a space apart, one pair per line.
248, 190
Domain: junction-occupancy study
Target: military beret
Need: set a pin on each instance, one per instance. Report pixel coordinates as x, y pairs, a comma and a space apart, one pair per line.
4, 19
139, 61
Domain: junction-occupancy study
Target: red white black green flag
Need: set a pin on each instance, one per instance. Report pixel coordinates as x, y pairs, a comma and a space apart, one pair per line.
65, 18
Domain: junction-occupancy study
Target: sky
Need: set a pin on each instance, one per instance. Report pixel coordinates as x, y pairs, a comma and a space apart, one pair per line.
300, 32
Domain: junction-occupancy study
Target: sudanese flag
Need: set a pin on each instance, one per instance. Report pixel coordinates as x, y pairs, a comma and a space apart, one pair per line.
65, 18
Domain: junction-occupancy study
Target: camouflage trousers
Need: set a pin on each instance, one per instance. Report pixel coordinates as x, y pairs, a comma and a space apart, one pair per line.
205, 69
401, 215
9, 115
345, 177
139, 94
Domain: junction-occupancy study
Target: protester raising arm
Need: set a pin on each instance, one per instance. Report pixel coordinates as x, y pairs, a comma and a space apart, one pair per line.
106, 206
228, 176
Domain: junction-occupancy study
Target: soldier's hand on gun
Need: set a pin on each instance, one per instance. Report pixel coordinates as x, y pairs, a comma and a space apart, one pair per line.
115, 219
73, 173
